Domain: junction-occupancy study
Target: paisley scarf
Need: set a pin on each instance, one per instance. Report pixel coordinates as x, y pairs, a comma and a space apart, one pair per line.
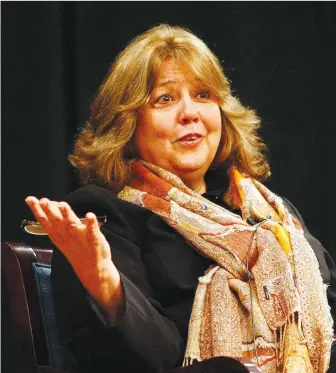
264, 299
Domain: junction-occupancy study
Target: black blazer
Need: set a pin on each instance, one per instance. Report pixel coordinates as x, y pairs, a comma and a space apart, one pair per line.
159, 272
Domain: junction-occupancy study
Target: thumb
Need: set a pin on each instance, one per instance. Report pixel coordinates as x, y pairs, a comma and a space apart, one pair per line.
92, 228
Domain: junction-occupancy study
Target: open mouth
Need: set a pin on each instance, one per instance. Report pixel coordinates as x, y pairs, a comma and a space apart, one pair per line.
190, 137
190, 140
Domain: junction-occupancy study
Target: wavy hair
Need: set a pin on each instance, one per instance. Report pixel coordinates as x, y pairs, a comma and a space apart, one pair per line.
106, 143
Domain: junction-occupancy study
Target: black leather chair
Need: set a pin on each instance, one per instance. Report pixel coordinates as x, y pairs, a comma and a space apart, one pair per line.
26, 276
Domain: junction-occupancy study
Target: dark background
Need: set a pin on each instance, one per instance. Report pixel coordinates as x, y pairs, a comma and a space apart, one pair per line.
280, 57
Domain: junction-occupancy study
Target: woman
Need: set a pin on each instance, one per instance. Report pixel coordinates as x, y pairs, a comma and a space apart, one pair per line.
197, 258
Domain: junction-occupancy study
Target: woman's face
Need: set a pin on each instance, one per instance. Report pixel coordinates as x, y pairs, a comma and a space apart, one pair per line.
180, 127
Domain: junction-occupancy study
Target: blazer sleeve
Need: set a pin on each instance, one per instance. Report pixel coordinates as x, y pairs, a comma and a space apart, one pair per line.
326, 262
144, 336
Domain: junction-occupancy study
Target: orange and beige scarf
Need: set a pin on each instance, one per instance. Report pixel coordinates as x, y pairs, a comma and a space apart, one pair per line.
264, 299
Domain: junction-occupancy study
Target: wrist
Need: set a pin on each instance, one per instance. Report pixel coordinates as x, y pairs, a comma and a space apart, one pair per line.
111, 296
102, 281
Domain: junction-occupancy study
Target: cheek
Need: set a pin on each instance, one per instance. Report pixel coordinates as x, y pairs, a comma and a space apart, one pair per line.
214, 120
151, 133
158, 127
160, 134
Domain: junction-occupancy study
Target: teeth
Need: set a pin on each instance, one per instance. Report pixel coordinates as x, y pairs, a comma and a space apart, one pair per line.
190, 138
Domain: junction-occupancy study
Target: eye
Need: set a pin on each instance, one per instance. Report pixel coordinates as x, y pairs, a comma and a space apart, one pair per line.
203, 95
164, 98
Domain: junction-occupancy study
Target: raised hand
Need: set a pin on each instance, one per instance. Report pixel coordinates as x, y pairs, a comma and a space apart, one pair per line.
84, 246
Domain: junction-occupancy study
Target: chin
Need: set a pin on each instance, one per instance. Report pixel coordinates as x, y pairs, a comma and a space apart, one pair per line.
192, 166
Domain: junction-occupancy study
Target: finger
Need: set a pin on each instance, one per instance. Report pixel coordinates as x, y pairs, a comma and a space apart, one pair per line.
69, 216
93, 231
52, 210
38, 212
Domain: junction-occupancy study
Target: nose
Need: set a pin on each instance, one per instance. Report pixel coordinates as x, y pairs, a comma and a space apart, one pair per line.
189, 113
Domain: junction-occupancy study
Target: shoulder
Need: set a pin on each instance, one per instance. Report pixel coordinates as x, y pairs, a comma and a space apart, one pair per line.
294, 211
296, 214
123, 217
97, 197
326, 263
92, 194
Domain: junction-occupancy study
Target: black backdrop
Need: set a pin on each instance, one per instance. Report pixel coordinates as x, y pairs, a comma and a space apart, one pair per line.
280, 57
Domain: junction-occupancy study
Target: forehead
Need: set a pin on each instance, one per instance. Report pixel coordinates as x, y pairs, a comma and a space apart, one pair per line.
173, 71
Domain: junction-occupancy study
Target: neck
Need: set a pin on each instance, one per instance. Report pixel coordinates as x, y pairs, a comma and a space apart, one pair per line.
197, 186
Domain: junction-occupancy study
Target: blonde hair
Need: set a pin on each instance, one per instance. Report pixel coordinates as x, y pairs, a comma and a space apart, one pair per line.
103, 148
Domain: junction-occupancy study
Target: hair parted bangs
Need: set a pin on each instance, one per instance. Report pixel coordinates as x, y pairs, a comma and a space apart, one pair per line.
105, 145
